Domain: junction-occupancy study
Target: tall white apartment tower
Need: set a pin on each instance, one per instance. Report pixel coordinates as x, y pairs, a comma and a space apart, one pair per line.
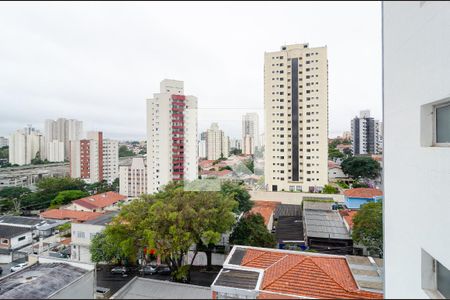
296, 118
62, 130
25, 145
250, 127
217, 143
171, 136
133, 178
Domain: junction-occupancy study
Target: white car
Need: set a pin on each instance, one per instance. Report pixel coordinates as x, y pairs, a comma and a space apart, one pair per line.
18, 267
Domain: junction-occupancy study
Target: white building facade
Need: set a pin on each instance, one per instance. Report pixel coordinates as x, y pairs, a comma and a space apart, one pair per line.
172, 149
62, 130
296, 118
250, 127
110, 160
133, 178
26, 144
416, 103
55, 151
217, 143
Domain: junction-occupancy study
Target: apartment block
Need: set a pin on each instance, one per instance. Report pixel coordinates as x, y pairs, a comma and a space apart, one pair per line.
250, 127
62, 130
55, 151
133, 178
366, 134
26, 144
172, 150
296, 118
416, 104
110, 160
217, 143
249, 145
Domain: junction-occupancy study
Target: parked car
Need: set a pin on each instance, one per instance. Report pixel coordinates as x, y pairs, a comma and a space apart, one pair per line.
152, 269
163, 270
119, 270
18, 267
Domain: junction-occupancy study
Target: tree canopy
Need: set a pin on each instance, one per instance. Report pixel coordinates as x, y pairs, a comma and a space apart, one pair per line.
361, 167
239, 194
65, 197
368, 227
124, 151
251, 231
170, 221
13, 199
329, 189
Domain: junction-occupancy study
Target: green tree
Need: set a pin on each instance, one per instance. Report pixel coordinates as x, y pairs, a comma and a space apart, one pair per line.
239, 194
334, 153
65, 197
4, 152
171, 221
100, 187
368, 227
235, 151
104, 249
48, 189
329, 189
361, 167
124, 151
251, 231
225, 168
14, 196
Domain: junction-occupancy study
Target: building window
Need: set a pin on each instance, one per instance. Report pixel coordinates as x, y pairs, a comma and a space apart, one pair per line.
442, 124
435, 277
5, 241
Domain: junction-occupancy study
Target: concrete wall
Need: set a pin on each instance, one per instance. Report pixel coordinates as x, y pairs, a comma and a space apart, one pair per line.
290, 197
416, 48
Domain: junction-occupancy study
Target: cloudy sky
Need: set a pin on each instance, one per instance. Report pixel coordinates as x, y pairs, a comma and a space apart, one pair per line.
99, 62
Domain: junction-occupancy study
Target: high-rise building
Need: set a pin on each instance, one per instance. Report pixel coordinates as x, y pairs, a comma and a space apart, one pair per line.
366, 136
171, 136
110, 160
55, 151
296, 118
94, 159
133, 178
248, 145
63, 130
416, 173
3, 141
250, 127
217, 143
26, 144
235, 144
347, 135
202, 150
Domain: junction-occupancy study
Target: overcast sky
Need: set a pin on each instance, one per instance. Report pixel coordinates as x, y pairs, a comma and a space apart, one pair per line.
99, 62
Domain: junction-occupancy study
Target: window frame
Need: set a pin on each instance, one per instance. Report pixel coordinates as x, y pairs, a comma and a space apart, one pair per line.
435, 108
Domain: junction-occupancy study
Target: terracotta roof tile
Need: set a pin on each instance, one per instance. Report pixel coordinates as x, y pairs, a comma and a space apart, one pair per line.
348, 216
304, 275
100, 200
65, 214
265, 209
363, 193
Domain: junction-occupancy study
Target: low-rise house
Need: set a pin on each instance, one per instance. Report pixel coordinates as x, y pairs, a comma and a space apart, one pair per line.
82, 234
144, 288
39, 227
98, 203
261, 273
206, 164
13, 238
354, 198
74, 216
324, 228
49, 278
224, 174
266, 209
335, 172
343, 147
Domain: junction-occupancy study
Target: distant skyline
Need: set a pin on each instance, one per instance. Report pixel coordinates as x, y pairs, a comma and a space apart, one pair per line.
98, 62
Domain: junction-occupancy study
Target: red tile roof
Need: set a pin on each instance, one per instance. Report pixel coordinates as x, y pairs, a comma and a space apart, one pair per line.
205, 163
65, 214
348, 216
305, 275
265, 209
100, 200
332, 164
363, 193
216, 173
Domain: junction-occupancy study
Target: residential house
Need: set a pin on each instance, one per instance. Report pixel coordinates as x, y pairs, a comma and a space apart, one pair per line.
48, 278
354, 198
324, 228
98, 203
266, 209
82, 234
39, 227
335, 172
261, 273
74, 216
12, 238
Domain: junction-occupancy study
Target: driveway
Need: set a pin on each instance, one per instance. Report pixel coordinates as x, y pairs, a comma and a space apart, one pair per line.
6, 267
